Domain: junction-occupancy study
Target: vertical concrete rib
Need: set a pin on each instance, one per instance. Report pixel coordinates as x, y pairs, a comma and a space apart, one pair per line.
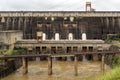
7, 23
13, 23
113, 21
113, 24
119, 23
19, 23
30, 22
102, 25
31, 34
24, 29
107, 24
102, 21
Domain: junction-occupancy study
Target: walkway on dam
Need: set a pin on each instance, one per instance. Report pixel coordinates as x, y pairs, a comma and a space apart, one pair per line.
24, 59
57, 55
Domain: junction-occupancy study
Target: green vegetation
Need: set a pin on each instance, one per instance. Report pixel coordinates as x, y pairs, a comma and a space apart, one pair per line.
116, 61
2, 62
112, 37
114, 74
12, 52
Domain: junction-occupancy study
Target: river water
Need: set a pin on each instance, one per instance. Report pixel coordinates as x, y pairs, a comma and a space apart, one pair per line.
62, 70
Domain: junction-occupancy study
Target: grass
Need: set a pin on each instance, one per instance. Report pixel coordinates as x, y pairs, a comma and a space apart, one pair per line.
112, 75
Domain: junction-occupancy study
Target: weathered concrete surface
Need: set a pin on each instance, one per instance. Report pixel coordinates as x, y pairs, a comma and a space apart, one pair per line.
59, 13
75, 45
8, 38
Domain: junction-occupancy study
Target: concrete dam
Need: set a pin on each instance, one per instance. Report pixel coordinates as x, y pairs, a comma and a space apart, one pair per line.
94, 24
66, 37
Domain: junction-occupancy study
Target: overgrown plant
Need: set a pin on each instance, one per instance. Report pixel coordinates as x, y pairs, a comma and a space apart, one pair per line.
16, 51
114, 74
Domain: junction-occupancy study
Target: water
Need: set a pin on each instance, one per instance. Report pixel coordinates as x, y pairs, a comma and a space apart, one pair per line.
37, 58
84, 58
62, 70
68, 58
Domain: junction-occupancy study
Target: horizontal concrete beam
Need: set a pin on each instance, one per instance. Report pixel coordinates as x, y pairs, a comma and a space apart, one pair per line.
58, 55
59, 14
64, 55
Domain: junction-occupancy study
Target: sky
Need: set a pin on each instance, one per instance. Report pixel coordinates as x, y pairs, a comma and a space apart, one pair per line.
58, 5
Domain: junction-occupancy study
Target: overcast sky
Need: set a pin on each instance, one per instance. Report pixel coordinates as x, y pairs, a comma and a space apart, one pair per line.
58, 5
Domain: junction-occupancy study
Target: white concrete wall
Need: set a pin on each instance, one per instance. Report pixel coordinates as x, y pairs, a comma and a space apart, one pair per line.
84, 37
70, 36
10, 37
57, 36
44, 36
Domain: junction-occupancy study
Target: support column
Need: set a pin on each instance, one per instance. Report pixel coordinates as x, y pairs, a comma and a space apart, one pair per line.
3, 23
25, 65
75, 65
13, 23
31, 34
119, 23
103, 63
7, 23
113, 21
49, 65
113, 24
107, 23
24, 29
19, 23
102, 21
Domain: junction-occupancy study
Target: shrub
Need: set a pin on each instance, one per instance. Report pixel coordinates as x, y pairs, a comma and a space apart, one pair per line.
112, 75
12, 52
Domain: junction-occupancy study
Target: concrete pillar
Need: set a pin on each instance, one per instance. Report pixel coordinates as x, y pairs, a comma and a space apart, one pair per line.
75, 66
19, 23
107, 23
113, 22
25, 65
7, 23
49, 65
32, 29
24, 29
103, 63
29, 23
102, 21
119, 22
13, 23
